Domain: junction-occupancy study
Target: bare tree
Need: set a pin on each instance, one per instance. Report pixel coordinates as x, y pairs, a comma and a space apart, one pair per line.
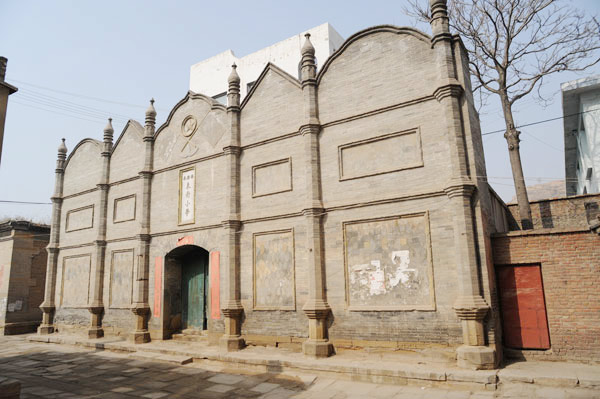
512, 46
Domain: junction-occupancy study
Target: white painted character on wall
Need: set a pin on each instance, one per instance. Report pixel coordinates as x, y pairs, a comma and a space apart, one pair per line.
403, 272
377, 279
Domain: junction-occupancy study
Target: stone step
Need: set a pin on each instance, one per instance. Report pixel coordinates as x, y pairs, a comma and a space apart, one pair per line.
189, 338
161, 357
192, 331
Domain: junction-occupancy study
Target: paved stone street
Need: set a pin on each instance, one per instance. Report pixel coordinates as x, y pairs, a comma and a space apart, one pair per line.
64, 371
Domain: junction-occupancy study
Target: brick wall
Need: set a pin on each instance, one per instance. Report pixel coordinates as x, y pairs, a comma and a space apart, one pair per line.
560, 213
570, 265
22, 275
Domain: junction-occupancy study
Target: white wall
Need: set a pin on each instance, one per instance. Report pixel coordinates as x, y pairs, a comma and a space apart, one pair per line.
209, 77
588, 143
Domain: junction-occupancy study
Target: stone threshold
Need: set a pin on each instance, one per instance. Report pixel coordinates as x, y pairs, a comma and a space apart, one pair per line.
407, 370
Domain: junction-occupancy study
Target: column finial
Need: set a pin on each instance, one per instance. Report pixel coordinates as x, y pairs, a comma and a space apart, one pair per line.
234, 78
439, 21
62, 150
233, 92
108, 131
309, 61
307, 47
151, 113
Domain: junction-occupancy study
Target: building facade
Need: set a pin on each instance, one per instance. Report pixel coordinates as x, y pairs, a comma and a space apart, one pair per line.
5, 91
345, 206
581, 110
23, 260
209, 76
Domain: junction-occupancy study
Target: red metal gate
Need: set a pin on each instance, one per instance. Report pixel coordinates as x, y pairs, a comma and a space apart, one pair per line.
524, 321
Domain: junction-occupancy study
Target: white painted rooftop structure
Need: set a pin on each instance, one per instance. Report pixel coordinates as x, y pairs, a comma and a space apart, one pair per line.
209, 77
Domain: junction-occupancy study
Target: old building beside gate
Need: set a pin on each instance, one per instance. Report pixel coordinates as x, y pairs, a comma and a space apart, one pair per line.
348, 206
23, 261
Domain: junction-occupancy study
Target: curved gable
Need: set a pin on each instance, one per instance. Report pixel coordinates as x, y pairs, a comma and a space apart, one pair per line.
273, 107
127, 158
375, 68
195, 128
83, 168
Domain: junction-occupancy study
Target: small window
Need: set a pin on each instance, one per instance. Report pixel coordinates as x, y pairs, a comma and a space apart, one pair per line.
222, 98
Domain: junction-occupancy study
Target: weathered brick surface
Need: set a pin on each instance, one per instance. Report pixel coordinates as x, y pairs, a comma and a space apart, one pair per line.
570, 265
561, 213
22, 275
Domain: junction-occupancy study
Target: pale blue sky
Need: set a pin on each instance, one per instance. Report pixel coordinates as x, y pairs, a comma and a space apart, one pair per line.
129, 51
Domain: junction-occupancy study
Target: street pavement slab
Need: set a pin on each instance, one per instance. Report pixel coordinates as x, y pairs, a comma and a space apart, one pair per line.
65, 371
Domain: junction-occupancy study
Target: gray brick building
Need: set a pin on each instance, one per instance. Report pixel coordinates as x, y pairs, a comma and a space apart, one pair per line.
349, 207
23, 261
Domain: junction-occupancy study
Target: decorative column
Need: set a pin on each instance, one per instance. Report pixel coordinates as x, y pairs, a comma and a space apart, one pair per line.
48, 307
140, 307
316, 308
96, 307
470, 306
232, 309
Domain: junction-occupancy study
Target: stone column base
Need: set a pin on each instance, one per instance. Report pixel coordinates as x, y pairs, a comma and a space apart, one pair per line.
232, 343
140, 337
95, 332
232, 339
476, 357
317, 344
141, 334
317, 348
42, 330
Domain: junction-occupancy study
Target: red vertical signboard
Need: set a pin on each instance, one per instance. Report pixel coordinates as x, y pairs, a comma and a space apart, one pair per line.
524, 321
215, 311
158, 266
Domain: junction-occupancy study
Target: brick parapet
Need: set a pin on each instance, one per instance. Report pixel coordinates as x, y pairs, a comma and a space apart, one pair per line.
567, 212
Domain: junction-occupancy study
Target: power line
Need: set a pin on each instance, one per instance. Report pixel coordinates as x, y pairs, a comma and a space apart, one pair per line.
59, 101
543, 121
542, 141
84, 96
54, 112
68, 108
25, 202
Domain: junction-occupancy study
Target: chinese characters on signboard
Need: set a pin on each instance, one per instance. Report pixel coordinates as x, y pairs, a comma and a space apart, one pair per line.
187, 196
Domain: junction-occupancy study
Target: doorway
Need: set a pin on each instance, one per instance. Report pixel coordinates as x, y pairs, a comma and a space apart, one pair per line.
523, 307
185, 289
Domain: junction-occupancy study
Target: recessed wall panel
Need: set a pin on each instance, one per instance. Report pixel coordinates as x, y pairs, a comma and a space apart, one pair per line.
388, 264
384, 154
124, 209
121, 279
272, 178
76, 281
80, 219
274, 286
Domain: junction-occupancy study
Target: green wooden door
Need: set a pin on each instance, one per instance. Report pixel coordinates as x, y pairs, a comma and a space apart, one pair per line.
193, 282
